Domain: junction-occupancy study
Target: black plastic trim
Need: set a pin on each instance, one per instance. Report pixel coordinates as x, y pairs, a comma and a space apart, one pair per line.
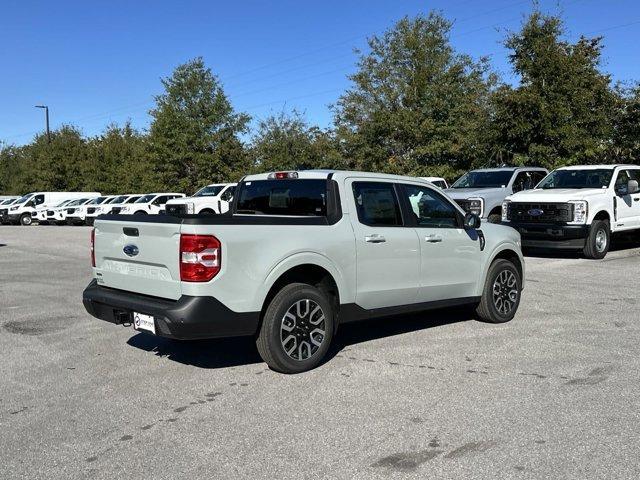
187, 318
551, 235
352, 312
223, 219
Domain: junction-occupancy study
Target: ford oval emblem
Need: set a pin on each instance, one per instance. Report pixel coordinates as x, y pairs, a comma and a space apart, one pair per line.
131, 250
535, 212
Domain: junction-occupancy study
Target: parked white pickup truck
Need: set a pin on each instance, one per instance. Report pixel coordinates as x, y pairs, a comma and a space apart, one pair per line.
210, 200
299, 254
150, 204
577, 207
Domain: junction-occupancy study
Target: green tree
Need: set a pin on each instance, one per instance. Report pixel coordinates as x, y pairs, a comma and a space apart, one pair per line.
561, 113
194, 135
119, 161
416, 105
625, 146
14, 165
286, 142
61, 164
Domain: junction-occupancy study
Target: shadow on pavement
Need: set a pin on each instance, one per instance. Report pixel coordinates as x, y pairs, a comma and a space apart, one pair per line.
229, 352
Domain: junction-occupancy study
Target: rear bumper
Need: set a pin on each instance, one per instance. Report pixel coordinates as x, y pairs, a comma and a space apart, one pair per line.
548, 235
187, 318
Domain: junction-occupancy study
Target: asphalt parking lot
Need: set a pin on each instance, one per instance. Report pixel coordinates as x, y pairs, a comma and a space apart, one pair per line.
553, 394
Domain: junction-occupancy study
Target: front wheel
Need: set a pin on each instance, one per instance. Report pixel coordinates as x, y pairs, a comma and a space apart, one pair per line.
502, 290
297, 329
597, 244
26, 219
495, 218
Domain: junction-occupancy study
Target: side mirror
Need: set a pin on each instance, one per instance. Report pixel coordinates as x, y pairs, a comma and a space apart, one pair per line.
471, 221
632, 187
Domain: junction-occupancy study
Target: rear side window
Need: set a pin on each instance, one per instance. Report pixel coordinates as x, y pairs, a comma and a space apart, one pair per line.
377, 204
296, 197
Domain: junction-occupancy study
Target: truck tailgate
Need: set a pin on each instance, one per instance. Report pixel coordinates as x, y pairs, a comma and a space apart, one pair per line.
139, 257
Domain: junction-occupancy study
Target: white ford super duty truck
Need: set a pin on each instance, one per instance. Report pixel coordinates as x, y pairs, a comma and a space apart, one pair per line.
298, 254
577, 207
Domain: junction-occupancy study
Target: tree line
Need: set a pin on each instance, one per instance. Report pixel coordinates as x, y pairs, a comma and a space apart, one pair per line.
416, 106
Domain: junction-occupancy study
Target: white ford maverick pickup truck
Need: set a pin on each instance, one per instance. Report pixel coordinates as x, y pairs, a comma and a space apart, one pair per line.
577, 207
298, 254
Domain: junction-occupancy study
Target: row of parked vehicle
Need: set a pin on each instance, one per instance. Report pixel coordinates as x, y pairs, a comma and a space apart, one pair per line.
82, 208
577, 207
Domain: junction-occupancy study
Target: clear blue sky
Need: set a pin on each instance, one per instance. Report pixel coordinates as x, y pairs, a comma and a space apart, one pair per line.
97, 62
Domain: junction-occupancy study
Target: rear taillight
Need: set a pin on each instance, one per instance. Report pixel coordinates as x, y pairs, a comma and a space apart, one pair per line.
200, 257
93, 247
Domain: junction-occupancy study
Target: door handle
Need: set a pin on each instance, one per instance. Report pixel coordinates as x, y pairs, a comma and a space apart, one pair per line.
433, 238
375, 238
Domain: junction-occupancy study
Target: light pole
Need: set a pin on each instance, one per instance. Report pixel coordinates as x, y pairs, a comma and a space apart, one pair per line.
46, 112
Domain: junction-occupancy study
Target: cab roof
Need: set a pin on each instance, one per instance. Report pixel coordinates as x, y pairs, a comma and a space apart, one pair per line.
335, 174
598, 167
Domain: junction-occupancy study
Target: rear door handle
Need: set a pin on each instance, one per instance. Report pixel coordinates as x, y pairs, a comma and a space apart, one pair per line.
375, 238
433, 238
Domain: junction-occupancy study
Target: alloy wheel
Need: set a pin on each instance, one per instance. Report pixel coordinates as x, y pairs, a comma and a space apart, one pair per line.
302, 329
505, 292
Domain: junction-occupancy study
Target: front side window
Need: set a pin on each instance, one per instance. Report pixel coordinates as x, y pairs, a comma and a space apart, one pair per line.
430, 209
574, 178
293, 197
377, 204
228, 194
484, 179
523, 181
38, 199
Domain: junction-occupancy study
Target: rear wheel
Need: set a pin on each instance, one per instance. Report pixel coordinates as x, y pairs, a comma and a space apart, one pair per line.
297, 329
597, 244
207, 211
140, 212
502, 290
25, 219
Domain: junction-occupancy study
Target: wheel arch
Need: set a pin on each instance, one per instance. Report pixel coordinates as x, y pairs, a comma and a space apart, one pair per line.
506, 251
311, 268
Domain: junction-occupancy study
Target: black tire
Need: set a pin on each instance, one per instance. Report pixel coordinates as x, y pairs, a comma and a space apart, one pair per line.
140, 212
273, 334
207, 211
498, 292
598, 241
495, 218
26, 220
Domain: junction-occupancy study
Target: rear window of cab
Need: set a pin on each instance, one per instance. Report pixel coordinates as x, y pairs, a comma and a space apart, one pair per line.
294, 197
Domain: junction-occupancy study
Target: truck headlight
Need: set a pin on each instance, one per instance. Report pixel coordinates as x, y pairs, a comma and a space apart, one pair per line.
505, 210
13, 208
191, 209
476, 205
580, 211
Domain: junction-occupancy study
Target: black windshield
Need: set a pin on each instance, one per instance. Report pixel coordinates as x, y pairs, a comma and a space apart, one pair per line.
588, 178
283, 197
479, 179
